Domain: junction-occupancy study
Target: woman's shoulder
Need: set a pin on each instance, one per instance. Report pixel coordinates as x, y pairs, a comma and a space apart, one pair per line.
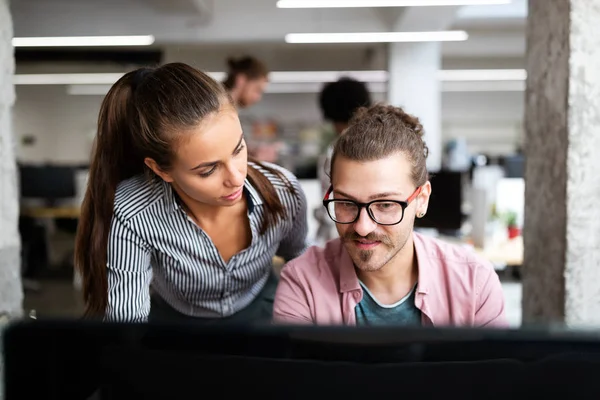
135, 194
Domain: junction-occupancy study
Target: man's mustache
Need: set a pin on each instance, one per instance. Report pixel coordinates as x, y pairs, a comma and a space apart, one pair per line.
370, 237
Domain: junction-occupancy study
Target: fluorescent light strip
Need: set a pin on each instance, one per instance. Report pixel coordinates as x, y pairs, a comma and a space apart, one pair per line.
483, 86
274, 77
67, 79
272, 88
83, 41
326, 76
373, 76
377, 37
383, 3
312, 87
459, 75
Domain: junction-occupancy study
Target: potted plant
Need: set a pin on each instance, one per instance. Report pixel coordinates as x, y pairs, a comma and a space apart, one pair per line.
511, 224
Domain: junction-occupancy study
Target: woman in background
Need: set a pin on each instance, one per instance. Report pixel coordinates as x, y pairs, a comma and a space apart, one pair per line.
173, 203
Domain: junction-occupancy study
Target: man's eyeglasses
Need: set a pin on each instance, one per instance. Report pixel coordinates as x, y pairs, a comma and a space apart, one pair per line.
384, 212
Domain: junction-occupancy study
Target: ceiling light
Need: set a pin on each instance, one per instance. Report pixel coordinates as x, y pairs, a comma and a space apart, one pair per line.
274, 77
383, 3
482, 75
67, 79
280, 77
487, 86
83, 41
377, 37
272, 88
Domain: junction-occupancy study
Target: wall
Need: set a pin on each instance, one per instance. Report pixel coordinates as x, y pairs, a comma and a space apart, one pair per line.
63, 124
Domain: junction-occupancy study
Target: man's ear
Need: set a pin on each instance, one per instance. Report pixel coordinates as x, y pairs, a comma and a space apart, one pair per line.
423, 199
240, 80
150, 163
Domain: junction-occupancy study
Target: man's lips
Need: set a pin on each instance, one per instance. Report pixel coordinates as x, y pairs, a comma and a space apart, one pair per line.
364, 244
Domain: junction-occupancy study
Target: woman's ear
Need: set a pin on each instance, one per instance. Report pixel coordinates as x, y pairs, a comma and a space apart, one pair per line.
423, 199
165, 176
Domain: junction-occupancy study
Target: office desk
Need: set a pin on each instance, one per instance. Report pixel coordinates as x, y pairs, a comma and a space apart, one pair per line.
51, 212
509, 253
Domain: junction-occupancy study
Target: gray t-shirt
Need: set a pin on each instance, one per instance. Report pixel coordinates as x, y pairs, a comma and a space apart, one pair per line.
371, 312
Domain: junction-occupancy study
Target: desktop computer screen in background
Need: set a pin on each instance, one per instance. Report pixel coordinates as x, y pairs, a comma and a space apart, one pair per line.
445, 204
48, 182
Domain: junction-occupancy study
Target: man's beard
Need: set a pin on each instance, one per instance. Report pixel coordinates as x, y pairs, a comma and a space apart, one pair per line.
366, 255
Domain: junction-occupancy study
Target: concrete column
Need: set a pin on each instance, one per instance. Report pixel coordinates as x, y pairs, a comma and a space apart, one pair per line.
561, 273
11, 293
413, 68
413, 85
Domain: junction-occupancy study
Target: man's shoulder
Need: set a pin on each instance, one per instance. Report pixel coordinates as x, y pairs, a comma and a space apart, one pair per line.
317, 260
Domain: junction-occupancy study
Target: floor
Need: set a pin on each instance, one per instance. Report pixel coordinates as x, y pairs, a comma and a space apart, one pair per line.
58, 298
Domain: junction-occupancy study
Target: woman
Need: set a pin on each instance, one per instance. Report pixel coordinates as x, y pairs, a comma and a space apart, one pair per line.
173, 203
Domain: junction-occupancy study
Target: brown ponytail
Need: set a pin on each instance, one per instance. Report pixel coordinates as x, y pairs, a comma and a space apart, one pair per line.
113, 159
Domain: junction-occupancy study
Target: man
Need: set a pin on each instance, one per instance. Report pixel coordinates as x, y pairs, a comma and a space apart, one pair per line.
338, 102
246, 81
379, 271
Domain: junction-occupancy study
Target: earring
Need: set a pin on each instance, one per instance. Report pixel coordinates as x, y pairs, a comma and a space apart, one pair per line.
421, 215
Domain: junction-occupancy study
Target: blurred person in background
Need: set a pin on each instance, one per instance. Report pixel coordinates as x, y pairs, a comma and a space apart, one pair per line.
173, 204
338, 101
247, 79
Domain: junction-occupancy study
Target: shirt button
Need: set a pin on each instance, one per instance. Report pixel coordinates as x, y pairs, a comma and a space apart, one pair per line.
356, 295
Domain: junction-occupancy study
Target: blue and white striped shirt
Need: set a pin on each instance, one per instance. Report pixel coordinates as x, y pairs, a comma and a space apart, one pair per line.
153, 242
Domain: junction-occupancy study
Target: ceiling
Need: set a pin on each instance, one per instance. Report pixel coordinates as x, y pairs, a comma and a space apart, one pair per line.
494, 31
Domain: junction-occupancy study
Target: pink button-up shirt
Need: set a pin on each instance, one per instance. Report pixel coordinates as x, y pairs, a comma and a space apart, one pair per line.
455, 287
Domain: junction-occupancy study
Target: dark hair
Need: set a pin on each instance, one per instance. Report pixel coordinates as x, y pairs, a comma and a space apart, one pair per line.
142, 116
339, 100
379, 131
248, 66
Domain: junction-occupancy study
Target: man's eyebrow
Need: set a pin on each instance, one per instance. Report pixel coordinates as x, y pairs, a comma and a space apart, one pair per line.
212, 163
372, 197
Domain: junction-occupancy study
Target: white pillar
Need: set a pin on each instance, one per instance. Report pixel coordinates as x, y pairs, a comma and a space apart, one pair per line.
413, 85
11, 293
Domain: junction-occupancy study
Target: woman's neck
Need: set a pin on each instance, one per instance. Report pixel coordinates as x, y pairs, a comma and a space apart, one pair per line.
206, 215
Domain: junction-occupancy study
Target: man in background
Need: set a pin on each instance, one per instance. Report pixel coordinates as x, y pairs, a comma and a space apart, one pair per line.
247, 79
338, 102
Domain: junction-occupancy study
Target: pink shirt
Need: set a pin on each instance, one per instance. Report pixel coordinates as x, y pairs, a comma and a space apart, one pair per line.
455, 287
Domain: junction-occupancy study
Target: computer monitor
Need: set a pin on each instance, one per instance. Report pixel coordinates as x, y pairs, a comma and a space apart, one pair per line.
48, 182
514, 166
74, 359
444, 212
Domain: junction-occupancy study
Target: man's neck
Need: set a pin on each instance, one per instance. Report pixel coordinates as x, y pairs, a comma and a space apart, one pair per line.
397, 277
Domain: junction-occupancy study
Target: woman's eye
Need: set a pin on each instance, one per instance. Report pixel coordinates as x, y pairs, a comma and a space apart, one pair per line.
208, 173
239, 150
